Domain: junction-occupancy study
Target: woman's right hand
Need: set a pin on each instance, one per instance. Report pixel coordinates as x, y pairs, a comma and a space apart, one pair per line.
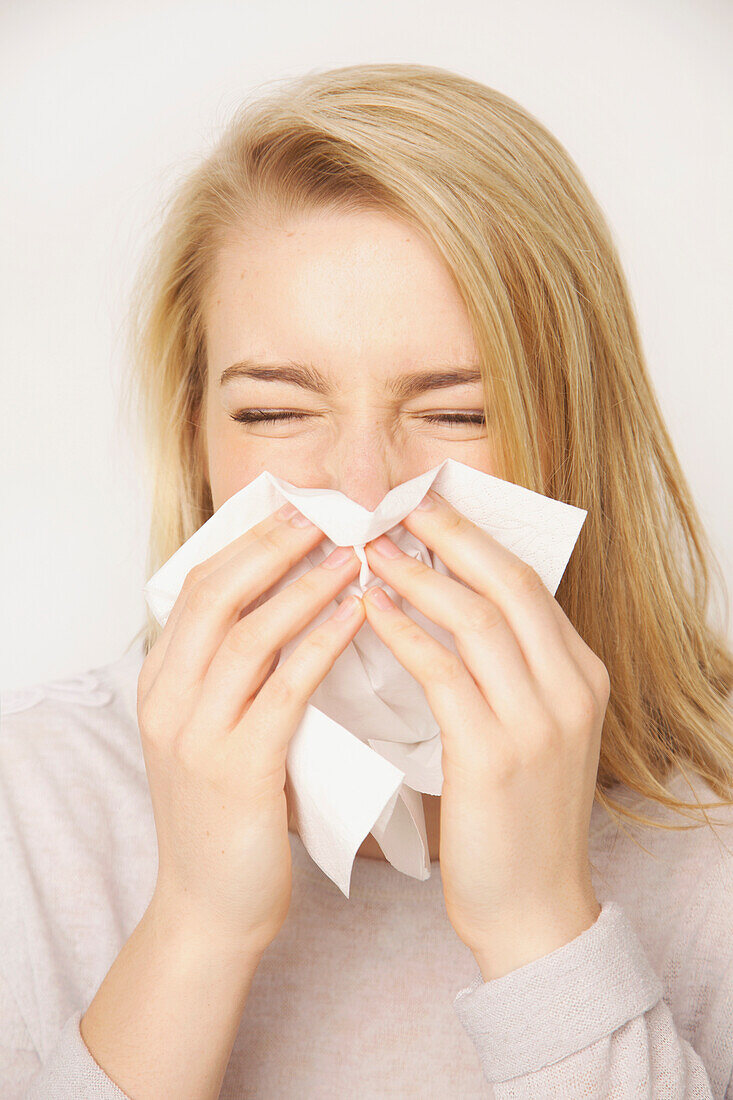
216, 721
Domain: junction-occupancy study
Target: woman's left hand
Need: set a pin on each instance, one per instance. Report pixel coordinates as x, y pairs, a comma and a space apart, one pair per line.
520, 710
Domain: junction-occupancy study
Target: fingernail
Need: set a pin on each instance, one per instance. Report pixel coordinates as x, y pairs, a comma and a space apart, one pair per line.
346, 608
385, 546
286, 511
426, 502
380, 598
338, 556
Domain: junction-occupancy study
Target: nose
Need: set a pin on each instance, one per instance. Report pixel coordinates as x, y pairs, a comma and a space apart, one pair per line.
363, 466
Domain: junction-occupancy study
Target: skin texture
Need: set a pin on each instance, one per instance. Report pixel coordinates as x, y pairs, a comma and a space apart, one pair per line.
365, 298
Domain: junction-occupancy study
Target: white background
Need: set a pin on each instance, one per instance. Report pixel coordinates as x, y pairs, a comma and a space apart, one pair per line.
104, 104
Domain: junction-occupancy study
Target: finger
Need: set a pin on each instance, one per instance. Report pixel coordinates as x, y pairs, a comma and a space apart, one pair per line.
493, 571
203, 569
214, 600
244, 660
466, 720
483, 637
267, 726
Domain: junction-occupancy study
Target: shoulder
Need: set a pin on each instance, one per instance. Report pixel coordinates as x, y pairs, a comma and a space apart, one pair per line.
675, 878
95, 687
64, 744
77, 838
678, 834
48, 714
84, 689
703, 860
70, 756
63, 735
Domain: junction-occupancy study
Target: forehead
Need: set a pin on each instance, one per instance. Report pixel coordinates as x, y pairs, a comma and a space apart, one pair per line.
335, 288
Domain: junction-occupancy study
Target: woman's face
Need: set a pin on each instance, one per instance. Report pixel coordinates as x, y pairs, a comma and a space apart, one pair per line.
353, 323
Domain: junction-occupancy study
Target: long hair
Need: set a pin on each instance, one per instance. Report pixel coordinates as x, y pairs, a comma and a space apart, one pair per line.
560, 357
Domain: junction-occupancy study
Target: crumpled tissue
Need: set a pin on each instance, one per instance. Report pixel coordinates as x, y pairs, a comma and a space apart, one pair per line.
368, 745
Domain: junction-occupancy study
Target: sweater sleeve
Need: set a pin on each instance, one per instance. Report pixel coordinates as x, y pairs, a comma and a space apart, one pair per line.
588, 1019
70, 1071
67, 1073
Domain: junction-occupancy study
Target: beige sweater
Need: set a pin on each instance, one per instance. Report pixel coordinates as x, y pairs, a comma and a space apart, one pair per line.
371, 996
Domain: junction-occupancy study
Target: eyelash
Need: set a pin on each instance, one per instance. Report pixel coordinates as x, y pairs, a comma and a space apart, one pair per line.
252, 416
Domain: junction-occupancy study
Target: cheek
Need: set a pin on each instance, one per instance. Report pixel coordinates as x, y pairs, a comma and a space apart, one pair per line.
235, 458
231, 464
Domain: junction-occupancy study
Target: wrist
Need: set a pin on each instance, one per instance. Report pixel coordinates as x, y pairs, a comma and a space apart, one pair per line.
520, 942
196, 936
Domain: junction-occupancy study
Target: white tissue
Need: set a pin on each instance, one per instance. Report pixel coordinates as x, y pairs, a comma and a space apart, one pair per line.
368, 743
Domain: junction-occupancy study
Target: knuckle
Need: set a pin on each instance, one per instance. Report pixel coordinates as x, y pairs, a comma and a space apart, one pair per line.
153, 727
246, 637
310, 584
296, 678
203, 596
272, 540
409, 630
482, 615
448, 668
194, 576
454, 522
601, 679
582, 706
522, 578
415, 567
321, 641
282, 687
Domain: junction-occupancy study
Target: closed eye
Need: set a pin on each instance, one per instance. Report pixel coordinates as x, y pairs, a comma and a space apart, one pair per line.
257, 416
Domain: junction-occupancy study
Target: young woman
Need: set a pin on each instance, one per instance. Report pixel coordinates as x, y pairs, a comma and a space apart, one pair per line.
376, 268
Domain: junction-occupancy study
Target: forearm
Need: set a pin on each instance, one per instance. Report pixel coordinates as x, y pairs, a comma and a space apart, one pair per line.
163, 1022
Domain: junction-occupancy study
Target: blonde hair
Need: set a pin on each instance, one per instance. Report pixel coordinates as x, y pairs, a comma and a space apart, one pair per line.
561, 362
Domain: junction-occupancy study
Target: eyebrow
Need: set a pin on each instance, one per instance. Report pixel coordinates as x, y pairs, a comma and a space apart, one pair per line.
306, 376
